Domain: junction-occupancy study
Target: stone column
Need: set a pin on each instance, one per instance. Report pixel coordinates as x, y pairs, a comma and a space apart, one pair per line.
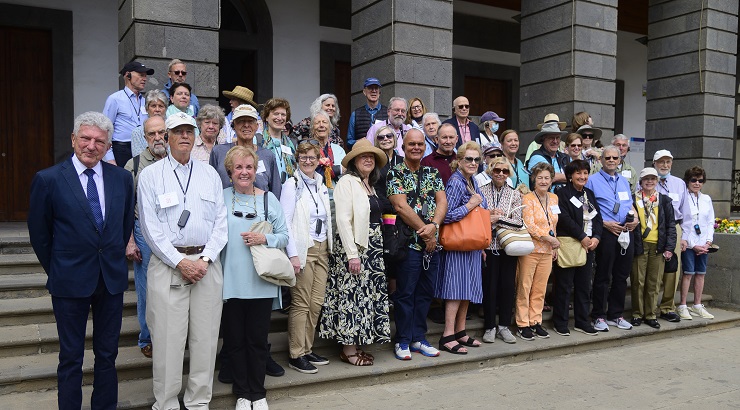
156, 31
407, 45
691, 89
568, 55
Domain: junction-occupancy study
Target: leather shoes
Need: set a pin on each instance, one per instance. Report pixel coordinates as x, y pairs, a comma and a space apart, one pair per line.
273, 369
147, 351
670, 316
652, 323
636, 321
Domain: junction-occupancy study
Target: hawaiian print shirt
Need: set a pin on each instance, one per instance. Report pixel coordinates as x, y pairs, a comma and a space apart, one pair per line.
401, 180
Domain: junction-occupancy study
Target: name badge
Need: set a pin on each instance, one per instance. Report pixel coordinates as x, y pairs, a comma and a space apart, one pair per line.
286, 150
555, 209
261, 167
627, 173
482, 178
623, 196
576, 202
592, 215
167, 200
674, 196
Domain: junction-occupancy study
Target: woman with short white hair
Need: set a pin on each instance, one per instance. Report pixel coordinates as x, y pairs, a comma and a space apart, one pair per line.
325, 102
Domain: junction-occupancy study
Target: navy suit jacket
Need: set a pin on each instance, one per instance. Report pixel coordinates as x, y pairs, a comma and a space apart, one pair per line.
472, 127
65, 237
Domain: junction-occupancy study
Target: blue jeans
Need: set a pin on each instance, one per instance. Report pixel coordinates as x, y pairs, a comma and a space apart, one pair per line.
693, 263
414, 292
140, 279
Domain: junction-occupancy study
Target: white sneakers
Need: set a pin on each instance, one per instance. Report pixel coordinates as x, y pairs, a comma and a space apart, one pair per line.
683, 312
260, 405
619, 323
243, 404
489, 336
600, 325
699, 311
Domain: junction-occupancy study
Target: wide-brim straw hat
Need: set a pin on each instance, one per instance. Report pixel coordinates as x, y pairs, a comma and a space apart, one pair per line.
552, 118
241, 93
549, 128
364, 146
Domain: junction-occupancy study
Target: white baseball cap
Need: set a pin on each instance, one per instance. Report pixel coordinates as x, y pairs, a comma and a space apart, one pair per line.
177, 119
662, 153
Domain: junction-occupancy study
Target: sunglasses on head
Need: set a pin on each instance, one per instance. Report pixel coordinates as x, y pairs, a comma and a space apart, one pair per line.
463, 106
695, 180
240, 214
474, 160
504, 171
611, 158
385, 136
589, 136
180, 72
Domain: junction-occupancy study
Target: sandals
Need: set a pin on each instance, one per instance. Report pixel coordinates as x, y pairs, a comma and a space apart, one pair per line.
455, 349
362, 358
366, 354
469, 342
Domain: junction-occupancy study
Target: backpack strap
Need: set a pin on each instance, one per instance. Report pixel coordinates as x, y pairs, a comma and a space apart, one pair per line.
265, 196
136, 165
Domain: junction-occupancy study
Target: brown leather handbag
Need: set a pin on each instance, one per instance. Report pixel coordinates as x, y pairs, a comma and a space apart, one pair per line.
472, 233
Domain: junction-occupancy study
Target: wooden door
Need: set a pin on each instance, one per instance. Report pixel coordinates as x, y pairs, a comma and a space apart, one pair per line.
342, 89
487, 94
26, 120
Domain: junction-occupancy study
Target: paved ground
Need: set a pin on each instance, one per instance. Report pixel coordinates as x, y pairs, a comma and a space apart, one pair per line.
686, 372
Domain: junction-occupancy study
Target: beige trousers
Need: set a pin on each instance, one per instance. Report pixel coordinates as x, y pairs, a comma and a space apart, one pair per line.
671, 280
645, 278
176, 314
308, 296
532, 272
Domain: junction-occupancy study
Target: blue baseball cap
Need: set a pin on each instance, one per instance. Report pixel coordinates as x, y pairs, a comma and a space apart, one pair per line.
371, 81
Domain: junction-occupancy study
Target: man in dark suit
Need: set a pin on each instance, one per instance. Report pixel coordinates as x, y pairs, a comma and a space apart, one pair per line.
80, 219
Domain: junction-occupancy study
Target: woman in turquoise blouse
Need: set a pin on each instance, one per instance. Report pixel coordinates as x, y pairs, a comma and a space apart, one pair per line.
249, 300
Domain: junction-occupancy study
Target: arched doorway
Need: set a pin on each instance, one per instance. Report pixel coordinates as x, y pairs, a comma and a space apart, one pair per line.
245, 48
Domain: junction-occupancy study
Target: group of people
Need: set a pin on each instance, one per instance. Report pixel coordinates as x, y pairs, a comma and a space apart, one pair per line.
199, 197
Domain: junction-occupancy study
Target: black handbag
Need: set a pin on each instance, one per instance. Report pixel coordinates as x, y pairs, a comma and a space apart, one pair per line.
397, 237
671, 265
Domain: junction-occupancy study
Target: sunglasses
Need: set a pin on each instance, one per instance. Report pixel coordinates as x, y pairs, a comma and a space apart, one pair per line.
463, 106
180, 72
307, 159
473, 160
240, 214
694, 180
576, 145
501, 171
589, 136
494, 155
611, 158
385, 137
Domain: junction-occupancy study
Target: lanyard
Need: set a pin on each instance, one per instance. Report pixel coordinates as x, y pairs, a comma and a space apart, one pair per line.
610, 185
187, 186
497, 197
544, 209
138, 112
308, 188
664, 184
695, 203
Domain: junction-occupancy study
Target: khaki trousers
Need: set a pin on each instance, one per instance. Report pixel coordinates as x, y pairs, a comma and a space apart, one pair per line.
671, 280
531, 283
176, 314
646, 276
308, 297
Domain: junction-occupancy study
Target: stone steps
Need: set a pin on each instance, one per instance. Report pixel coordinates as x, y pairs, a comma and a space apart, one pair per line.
137, 393
18, 286
14, 263
36, 310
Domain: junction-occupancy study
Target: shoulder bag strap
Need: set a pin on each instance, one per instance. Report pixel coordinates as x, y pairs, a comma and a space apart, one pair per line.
265, 196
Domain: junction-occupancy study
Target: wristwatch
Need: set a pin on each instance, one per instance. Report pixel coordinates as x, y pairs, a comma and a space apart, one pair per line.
436, 225
206, 259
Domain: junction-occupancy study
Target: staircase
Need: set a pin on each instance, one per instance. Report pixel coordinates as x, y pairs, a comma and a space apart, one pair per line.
29, 345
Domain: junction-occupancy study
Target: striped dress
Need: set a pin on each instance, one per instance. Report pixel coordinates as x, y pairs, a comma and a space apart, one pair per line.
460, 278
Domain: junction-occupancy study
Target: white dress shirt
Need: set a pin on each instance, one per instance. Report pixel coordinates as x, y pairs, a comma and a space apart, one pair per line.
98, 178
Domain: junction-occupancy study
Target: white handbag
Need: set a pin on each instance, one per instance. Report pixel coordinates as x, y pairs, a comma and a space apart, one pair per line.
271, 264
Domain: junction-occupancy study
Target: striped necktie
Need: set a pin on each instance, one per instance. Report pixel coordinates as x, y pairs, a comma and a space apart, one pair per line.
93, 198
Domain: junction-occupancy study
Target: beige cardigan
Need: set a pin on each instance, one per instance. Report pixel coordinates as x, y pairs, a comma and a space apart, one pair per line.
352, 214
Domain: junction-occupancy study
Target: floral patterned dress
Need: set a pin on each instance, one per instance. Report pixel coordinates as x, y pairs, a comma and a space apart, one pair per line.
355, 309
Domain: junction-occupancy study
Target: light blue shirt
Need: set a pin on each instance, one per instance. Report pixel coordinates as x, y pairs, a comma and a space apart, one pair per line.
610, 190
193, 98
126, 111
241, 280
675, 188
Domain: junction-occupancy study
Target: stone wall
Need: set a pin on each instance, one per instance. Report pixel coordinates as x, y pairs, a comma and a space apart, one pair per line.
723, 274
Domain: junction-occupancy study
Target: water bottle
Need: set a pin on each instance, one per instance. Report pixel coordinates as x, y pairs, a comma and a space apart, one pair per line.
630, 217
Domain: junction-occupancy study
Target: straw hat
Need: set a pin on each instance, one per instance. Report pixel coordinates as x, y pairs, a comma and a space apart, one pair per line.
364, 146
241, 93
554, 119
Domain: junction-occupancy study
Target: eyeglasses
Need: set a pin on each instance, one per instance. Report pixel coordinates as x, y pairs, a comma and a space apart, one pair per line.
399, 110
463, 106
415, 107
385, 137
180, 72
240, 214
307, 158
611, 158
589, 136
494, 155
576, 145
501, 171
472, 160
694, 180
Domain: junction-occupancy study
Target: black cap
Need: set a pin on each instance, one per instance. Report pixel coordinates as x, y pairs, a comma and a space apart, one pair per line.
136, 66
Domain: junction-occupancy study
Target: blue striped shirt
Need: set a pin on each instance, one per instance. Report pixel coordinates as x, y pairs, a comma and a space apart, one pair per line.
608, 190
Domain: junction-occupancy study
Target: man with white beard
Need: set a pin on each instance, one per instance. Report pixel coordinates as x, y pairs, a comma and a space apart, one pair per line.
396, 118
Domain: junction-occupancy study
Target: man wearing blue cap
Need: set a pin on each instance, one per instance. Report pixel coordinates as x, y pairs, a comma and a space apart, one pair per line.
364, 117
126, 110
